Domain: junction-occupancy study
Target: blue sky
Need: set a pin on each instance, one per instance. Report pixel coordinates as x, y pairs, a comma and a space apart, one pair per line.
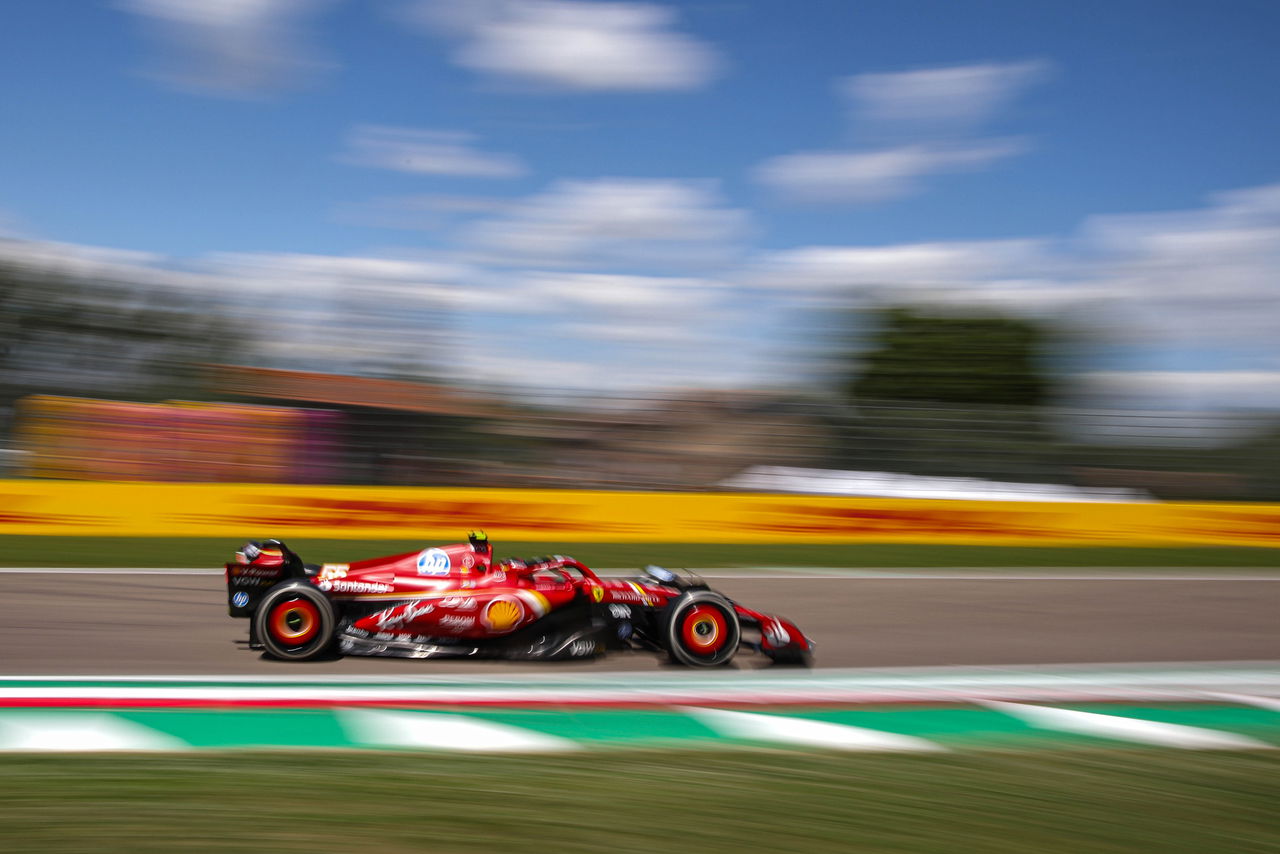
668, 193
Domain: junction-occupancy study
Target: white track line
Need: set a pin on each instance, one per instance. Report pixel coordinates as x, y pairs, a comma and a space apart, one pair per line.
1048, 683
1127, 729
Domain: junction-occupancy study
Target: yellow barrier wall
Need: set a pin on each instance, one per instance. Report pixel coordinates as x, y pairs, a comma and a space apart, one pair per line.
249, 510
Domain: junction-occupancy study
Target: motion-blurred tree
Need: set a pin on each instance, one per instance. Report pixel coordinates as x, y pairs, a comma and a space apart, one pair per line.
70, 334
966, 359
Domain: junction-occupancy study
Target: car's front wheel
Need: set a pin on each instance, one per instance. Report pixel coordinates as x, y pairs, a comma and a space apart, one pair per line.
702, 629
294, 621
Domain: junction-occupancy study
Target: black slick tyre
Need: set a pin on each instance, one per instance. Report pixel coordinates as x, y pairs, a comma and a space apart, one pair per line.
701, 629
295, 622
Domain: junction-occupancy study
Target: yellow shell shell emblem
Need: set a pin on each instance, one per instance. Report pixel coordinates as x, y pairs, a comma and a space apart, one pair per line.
502, 614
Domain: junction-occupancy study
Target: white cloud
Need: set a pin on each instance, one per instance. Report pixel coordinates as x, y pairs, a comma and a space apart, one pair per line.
575, 222
898, 266
231, 47
1205, 281
426, 152
622, 332
930, 115
654, 297
956, 95
92, 263
568, 44
873, 176
384, 284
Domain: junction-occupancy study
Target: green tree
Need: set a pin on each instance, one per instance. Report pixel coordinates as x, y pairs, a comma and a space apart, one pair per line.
966, 359
62, 333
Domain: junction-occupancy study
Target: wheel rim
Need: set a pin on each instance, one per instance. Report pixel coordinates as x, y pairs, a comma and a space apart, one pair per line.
704, 630
295, 621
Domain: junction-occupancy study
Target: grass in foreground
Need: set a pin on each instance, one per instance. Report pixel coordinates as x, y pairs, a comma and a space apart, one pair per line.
1151, 801
211, 552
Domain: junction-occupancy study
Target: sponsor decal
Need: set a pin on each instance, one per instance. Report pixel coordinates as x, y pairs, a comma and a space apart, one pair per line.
502, 614
333, 571
240, 599
252, 582
597, 593
456, 621
403, 614
636, 596
341, 586
620, 612
582, 648
468, 561
434, 562
459, 603
256, 571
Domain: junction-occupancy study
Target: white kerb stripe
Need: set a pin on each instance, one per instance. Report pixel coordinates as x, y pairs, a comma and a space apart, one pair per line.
81, 731
445, 732
806, 733
1269, 703
1127, 729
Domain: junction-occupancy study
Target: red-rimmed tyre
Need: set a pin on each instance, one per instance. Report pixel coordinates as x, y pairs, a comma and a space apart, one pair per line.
702, 629
295, 621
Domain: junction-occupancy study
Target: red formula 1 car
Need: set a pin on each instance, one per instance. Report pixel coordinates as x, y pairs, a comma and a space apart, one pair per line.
457, 601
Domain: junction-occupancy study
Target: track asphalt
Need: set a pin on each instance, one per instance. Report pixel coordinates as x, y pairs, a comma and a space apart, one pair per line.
164, 624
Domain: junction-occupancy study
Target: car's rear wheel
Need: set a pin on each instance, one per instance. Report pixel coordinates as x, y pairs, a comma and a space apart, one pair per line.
702, 629
294, 621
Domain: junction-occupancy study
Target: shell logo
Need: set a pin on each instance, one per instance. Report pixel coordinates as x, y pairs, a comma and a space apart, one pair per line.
502, 614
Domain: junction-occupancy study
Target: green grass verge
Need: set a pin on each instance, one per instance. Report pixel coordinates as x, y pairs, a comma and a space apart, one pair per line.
997, 803
207, 552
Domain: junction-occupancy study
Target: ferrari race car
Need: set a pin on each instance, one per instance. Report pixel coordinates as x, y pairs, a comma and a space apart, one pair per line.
457, 601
